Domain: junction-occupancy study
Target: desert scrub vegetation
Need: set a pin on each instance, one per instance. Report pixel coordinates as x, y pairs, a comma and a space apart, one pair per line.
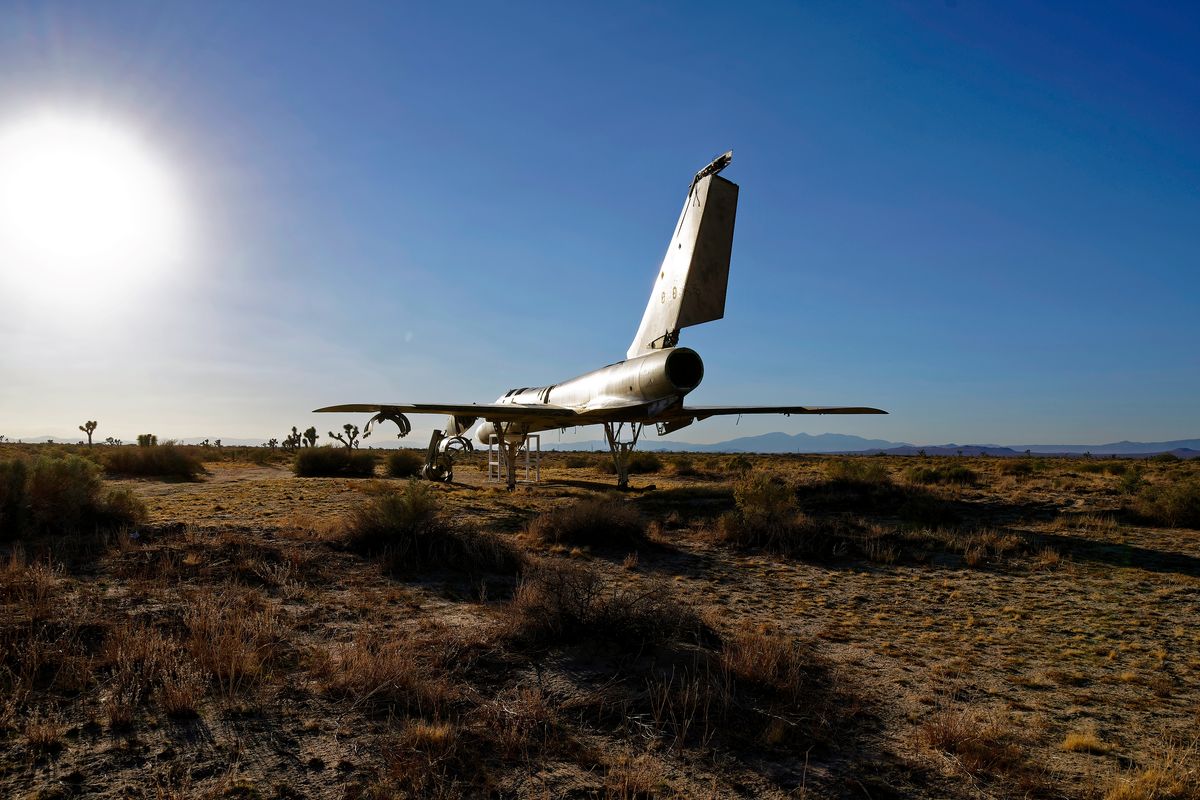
153, 461
61, 495
409, 531
1170, 502
1171, 774
675, 675
768, 516
592, 521
579, 461
856, 471
404, 464
414, 672
955, 474
982, 745
333, 462
639, 463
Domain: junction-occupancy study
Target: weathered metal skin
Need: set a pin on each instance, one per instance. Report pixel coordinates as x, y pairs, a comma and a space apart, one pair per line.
654, 381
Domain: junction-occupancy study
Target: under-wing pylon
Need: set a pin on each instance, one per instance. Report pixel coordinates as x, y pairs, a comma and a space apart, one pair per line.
648, 387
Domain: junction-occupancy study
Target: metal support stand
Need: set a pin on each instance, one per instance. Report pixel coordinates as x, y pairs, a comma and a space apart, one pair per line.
621, 450
504, 457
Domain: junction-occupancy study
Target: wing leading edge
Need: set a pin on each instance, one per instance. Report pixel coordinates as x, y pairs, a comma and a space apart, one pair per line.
562, 416
502, 412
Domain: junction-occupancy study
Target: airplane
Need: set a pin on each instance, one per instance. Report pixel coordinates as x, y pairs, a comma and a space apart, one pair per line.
647, 387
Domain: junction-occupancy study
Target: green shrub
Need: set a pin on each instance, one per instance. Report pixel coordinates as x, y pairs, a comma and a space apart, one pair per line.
1164, 458
333, 462
769, 517
578, 462
684, 467
591, 521
12, 497
1174, 504
856, 470
408, 530
1017, 466
61, 495
1131, 482
165, 461
950, 473
404, 464
739, 465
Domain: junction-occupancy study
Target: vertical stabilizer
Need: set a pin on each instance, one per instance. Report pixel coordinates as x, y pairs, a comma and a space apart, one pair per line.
690, 286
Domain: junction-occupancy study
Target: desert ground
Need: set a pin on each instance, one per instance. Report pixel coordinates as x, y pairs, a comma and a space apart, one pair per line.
736, 626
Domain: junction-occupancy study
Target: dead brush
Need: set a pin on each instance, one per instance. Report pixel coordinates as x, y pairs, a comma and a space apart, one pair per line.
181, 690
44, 733
592, 521
562, 603
1171, 774
430, 759
137, 654
233, 636
522, 721
979, 745
628, 777
29, 586
42, 656
388, 673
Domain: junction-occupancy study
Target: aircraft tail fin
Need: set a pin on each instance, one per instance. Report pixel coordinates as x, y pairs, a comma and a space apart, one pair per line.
691, 283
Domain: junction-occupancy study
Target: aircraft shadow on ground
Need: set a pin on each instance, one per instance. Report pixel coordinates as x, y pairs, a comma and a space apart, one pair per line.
1122, 555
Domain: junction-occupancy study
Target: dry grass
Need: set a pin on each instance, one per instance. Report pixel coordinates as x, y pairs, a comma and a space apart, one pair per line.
233, 635
1085, 741
1171, 774
562, 603
388, 673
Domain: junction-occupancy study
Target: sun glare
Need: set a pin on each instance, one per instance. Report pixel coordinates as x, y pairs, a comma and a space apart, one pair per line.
86, 208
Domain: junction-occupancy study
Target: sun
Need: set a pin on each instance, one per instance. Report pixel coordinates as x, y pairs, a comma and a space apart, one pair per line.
87, 208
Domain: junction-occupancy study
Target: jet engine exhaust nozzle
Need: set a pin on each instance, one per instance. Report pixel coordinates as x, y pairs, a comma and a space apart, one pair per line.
685, 369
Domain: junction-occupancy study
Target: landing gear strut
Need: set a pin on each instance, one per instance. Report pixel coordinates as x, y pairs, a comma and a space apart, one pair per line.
439, 459
507, 451
621, 450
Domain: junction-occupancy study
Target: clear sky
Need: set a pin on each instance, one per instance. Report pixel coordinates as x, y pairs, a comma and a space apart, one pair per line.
983, 217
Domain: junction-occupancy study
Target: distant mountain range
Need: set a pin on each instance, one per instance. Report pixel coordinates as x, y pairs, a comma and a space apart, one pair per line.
828, 443
831, 443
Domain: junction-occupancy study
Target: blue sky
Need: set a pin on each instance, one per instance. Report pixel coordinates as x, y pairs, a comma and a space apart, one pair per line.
984, 218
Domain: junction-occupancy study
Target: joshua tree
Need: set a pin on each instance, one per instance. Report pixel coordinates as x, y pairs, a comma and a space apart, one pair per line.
310, 437
271, 443
217, 443
147, 440
204, 443
292, 440
350, 440
111, 442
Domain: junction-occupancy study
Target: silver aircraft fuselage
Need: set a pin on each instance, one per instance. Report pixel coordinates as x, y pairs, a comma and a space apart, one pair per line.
632, 390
